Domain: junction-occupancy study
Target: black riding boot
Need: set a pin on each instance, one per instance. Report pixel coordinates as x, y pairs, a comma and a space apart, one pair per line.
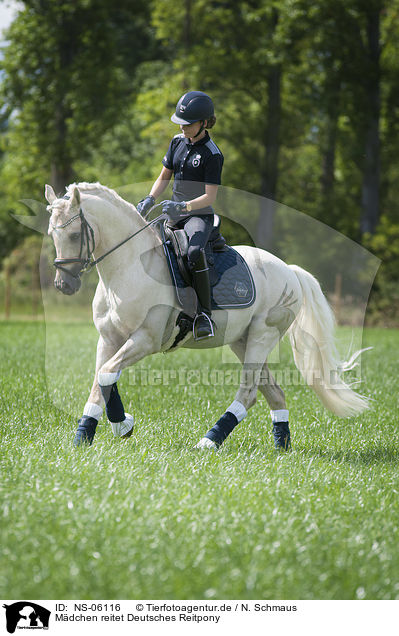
203, 325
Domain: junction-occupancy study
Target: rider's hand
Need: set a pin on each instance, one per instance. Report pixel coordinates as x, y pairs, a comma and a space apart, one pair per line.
145, 204
173, 209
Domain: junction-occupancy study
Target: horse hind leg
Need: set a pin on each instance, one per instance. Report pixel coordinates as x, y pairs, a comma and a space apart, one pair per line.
275, 397
248, 351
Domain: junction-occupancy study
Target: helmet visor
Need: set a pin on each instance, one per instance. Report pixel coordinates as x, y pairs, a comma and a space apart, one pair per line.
183, 122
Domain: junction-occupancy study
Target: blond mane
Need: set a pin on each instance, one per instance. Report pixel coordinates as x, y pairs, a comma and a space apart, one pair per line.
101, 190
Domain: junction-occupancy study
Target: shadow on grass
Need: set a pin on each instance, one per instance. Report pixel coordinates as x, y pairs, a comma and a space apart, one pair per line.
381, 454
366, 457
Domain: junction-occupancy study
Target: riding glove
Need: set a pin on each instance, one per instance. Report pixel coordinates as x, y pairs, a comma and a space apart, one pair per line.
145, 204
173, 209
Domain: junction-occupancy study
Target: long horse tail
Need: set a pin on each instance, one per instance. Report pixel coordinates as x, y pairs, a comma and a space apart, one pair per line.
315, 354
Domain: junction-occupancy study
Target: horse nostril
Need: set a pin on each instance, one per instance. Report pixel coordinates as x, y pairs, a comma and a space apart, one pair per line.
63, 287
67, 283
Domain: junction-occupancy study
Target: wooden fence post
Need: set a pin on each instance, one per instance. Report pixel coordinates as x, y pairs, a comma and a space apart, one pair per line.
338, 296
7, 289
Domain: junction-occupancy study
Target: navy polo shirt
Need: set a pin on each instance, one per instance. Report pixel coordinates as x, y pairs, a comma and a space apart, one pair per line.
193, 165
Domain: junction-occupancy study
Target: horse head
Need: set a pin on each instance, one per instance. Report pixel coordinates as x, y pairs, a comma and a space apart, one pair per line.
72, 236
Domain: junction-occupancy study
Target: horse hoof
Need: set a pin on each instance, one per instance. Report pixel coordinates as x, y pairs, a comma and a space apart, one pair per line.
123, 429
85, 431
282, 436
206, 444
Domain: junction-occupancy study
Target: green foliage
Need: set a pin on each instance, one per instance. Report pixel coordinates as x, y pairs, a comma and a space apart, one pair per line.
89, 88
384, 301
131, 151
68, 72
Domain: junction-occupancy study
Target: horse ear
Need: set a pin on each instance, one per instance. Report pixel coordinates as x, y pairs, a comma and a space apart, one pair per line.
49, 194
75, 197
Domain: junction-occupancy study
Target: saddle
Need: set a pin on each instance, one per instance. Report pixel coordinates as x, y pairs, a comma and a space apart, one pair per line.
179, 242
232, 285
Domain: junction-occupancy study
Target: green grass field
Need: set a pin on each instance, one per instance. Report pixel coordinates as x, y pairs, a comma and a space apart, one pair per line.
151, 518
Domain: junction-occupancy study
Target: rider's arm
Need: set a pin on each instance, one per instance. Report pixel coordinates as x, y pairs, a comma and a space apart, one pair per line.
161, 183
204, 200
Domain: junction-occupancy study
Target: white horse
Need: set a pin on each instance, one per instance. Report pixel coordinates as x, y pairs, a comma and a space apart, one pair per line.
135, 310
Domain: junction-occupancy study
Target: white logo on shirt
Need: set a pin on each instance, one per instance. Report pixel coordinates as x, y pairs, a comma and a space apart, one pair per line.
196, 161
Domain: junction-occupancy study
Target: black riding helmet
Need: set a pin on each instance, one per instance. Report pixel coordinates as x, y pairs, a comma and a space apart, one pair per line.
191, 107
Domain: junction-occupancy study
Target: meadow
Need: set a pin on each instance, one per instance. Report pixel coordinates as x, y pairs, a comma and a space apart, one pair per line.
152, 518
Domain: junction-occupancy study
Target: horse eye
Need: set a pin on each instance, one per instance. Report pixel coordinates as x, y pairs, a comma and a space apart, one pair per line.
75, 236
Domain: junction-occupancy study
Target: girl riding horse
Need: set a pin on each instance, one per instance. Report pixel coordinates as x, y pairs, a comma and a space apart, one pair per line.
196, 162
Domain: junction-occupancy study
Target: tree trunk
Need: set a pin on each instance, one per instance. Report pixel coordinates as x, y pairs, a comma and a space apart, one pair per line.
371, 172
61, 176
327, 178
328, 214
269, 170
62, 173
187, 43
35, 287
271, 143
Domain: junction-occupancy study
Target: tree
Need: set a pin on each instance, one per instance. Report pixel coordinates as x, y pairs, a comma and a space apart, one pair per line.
68, 70
250, 45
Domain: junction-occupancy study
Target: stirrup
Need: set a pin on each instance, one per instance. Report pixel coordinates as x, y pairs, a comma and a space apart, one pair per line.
211, 331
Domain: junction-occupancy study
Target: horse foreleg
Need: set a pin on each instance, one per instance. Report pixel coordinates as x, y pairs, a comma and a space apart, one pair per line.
93, 408
139, 345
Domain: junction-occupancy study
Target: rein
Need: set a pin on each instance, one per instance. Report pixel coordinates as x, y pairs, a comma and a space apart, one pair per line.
87, 236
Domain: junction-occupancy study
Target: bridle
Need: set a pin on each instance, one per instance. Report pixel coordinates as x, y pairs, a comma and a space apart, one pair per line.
86, 237
88, 244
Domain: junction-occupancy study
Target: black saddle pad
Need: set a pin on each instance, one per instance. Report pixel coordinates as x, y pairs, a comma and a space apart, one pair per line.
233, 286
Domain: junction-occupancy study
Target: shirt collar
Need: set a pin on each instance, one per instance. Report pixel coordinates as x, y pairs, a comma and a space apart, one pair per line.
200, 142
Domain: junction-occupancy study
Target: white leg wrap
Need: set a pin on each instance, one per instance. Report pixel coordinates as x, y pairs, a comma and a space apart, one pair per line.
238, 410
93, 410
206, 444
279, 416
106, 379
121, 428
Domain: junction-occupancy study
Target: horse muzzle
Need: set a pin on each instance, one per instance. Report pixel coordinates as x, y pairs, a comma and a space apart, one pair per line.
67, 282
